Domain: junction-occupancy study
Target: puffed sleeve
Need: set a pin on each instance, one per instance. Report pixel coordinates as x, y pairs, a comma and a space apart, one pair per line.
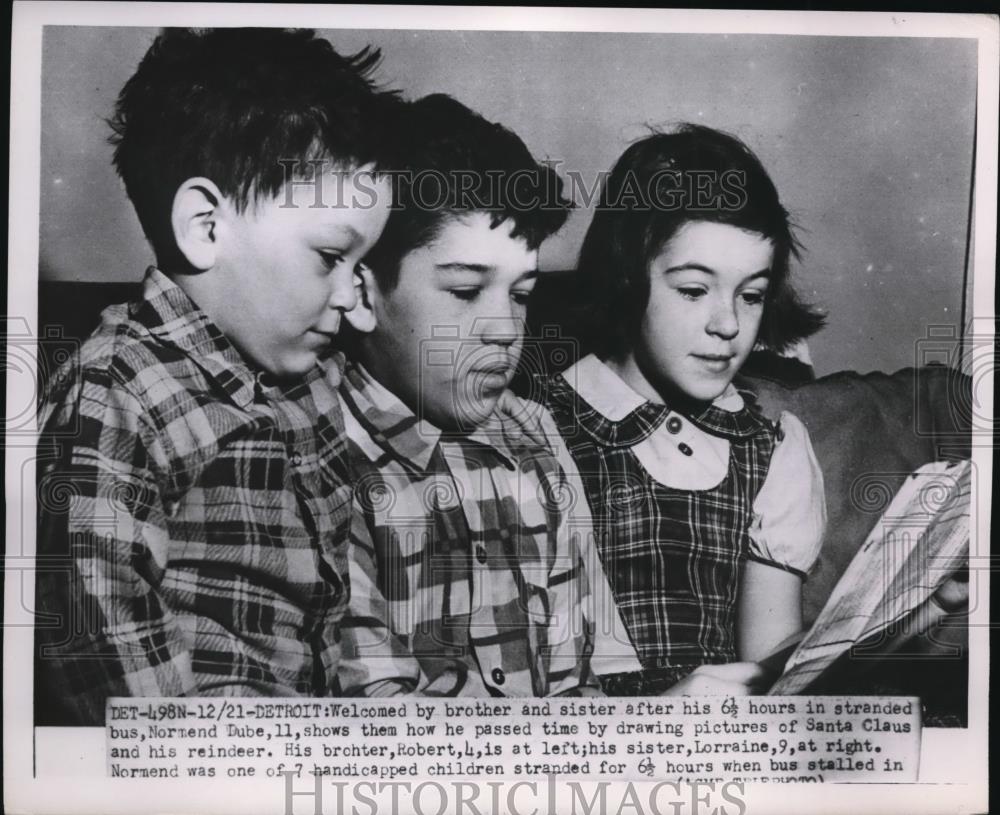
790, 511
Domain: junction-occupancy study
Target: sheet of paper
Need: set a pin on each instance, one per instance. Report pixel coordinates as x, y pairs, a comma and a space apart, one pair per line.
922, 537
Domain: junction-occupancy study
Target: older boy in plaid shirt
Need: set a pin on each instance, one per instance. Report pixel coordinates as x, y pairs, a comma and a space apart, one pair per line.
468, 564
202, 548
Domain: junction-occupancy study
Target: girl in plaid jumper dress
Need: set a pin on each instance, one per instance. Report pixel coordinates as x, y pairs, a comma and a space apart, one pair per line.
707, 514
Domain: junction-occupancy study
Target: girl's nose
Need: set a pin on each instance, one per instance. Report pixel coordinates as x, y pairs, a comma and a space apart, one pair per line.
724, 322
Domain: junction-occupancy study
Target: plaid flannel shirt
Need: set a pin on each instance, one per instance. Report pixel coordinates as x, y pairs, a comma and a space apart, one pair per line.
193, 519
467, 577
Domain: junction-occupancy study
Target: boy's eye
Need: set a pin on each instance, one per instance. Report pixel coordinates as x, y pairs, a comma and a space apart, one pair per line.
691, 292
331, 259
465, 294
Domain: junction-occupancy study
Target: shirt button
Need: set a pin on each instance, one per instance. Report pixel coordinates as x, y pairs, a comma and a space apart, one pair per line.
481, 553
264, 379
674, 425
498, 676
685, 449
296, 458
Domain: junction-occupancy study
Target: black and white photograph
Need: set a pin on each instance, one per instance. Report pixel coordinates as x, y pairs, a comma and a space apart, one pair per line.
455, 410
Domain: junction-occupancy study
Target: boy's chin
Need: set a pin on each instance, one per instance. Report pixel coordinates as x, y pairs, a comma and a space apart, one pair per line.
462, 418
291, 367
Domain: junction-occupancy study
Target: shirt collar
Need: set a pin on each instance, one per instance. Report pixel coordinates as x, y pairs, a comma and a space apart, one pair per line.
613, 413
397, 430
175, 320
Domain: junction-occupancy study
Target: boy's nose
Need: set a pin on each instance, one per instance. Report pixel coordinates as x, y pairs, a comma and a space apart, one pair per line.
498, 330
344, 294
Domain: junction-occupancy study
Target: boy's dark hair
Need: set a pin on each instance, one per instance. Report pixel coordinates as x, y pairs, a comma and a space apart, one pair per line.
231, 105
660, 183
455, 162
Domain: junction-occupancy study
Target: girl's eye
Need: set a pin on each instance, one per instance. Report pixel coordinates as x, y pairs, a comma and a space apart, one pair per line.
520, 297
466, 295
753, 298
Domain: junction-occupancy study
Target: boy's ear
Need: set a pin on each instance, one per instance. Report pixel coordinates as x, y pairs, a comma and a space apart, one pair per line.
362, 317
194, 218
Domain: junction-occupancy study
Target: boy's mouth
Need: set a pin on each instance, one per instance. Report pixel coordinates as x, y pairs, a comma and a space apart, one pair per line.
496, 366
492, 376
325, 336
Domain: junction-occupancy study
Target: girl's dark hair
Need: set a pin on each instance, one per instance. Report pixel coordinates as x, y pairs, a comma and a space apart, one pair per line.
243, 107
451, 162
660, 183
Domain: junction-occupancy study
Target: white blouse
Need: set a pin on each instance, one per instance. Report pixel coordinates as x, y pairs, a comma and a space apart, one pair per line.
789, 513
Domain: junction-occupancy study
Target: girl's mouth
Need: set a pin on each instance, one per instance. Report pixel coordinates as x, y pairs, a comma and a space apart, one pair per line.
717, 363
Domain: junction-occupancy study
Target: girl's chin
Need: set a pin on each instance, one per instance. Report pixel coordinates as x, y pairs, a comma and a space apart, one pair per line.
697, 389
701, 397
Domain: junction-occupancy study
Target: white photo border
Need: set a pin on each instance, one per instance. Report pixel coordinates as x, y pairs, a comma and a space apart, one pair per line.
956, 760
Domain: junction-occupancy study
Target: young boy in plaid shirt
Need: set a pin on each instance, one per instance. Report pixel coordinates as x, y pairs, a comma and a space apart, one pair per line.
469, 535
201, 550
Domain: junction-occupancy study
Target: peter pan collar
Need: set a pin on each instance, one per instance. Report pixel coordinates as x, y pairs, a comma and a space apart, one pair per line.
608, 409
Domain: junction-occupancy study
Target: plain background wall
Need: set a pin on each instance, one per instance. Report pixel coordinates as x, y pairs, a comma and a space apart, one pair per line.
869, 141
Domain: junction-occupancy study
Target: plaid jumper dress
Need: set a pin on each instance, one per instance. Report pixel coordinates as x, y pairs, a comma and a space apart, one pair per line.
673, 557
